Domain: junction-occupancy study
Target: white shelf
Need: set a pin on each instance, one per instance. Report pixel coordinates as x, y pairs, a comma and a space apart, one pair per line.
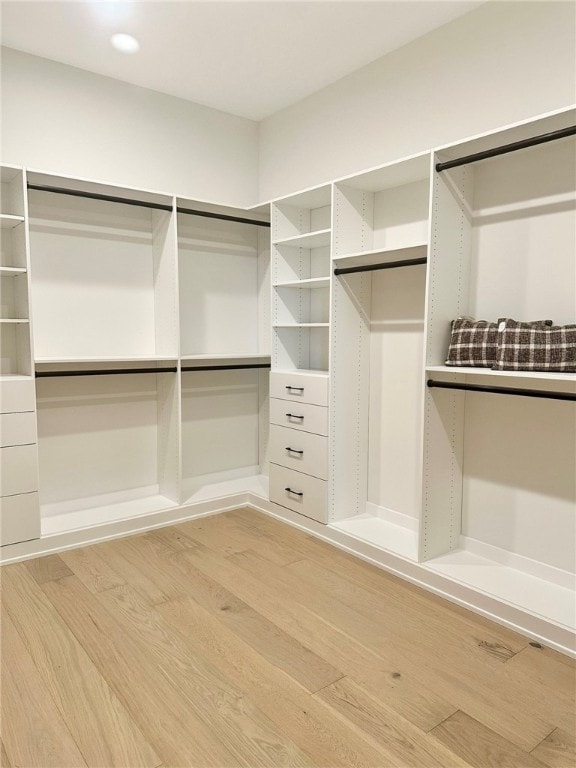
308, 240
68, 360
305, 371
226, 357
377, 255
12, 320
309, 282
381, 533
12, 271
528, 377
301, 325
15, 377
7, 221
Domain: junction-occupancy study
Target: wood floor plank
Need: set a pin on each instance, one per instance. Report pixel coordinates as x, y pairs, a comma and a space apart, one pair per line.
4, 760
479, 688
154, 702
405, 745
277, 646
245, 731
47, 568
404, 693
326, 739
33, 730
92, 569
99, 724
480, 746
558, 750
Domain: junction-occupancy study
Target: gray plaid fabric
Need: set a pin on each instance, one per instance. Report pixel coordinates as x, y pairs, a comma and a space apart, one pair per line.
472, 343
529, 347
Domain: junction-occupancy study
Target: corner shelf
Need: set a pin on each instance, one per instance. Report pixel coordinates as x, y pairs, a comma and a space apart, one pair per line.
12, 271
529, 377
376, 255
301, 325
316, 239
310, 282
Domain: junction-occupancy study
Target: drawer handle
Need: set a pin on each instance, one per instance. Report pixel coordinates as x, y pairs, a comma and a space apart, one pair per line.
293, 416
293, 450
296, 493
297, 389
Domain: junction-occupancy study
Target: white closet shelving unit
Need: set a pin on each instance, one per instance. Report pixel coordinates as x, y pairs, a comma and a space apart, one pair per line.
381, 229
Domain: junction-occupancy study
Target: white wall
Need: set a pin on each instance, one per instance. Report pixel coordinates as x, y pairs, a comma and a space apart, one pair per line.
501, 63
65, 120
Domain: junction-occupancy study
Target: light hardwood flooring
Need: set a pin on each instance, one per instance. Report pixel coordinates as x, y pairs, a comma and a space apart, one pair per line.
236, 640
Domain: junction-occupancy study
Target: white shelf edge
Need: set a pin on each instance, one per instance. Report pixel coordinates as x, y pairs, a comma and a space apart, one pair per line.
226, 356
528, 376
9, 221
68, 360
309, 282
13, 320
322, 235
301, 325
382, 252
12, 271
304, 371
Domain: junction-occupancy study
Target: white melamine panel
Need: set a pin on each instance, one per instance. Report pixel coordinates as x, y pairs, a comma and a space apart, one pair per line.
292, 220
18, 469
401, 216
220, 423
165, 257
17, 395
97, 435
169, 436
92, 277
312, 502
299, 450
396, 381
13, 247
17, 429
15, 349
519, 489
19, 518
310, 418
299, 387
11, 192
221, 276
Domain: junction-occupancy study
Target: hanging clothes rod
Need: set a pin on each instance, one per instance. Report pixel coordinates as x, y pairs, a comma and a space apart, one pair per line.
187, 368
98, 196
103, 372
383, 265
223, 217
541, 393
505, 148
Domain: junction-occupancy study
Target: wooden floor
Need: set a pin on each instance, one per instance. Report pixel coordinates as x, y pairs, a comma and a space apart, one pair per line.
236, 640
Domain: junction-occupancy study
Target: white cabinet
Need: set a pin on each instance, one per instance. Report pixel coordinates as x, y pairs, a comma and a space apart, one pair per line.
298, 492
309, 418
17, 429
299, 450
299, 388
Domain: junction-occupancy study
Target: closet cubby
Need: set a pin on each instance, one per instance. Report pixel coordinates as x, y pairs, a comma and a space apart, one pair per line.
301, 236
377, 352
498, 475
104, 274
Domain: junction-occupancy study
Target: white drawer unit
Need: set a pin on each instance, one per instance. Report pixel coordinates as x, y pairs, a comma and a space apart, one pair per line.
298, 492
16, 395
17, 429
18, 469
299, 450
19, 518
309, 418
299, 387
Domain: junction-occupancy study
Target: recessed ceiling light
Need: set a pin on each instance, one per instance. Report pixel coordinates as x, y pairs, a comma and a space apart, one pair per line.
125, 43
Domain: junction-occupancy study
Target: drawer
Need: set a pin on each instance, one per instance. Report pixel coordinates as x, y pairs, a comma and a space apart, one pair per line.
19, 518
308, 452
17, 395
299, 387
17, 428
18, 469
312, 502
310, 418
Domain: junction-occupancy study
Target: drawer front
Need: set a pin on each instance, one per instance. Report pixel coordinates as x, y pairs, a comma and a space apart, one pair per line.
17, 396
308, 453
299, 387
19, 518
312, 502
18, 470
310, 418
17, 428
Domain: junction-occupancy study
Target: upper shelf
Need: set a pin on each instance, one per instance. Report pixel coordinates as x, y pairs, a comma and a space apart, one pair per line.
561, 382
8, 221
315, 239
309, 282
12, 271
378, 255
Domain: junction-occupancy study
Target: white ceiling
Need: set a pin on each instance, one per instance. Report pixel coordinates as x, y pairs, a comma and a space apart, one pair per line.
247, 58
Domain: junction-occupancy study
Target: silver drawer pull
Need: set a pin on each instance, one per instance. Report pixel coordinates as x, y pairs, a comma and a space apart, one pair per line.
293, 450
296, 389
294, 416
296, 493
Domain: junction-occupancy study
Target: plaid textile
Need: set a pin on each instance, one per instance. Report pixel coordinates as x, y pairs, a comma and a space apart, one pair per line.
472, 343
528, 347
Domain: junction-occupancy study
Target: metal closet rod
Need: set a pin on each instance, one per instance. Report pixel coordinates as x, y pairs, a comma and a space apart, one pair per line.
383, 265
505, 148
541, 393
187, 368
144, 204
102, 372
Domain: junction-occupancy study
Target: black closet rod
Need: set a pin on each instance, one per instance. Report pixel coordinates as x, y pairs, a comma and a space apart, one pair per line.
223, 217
98, 196
383, 265
187, 368
103, 372
505, 148
542, 393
